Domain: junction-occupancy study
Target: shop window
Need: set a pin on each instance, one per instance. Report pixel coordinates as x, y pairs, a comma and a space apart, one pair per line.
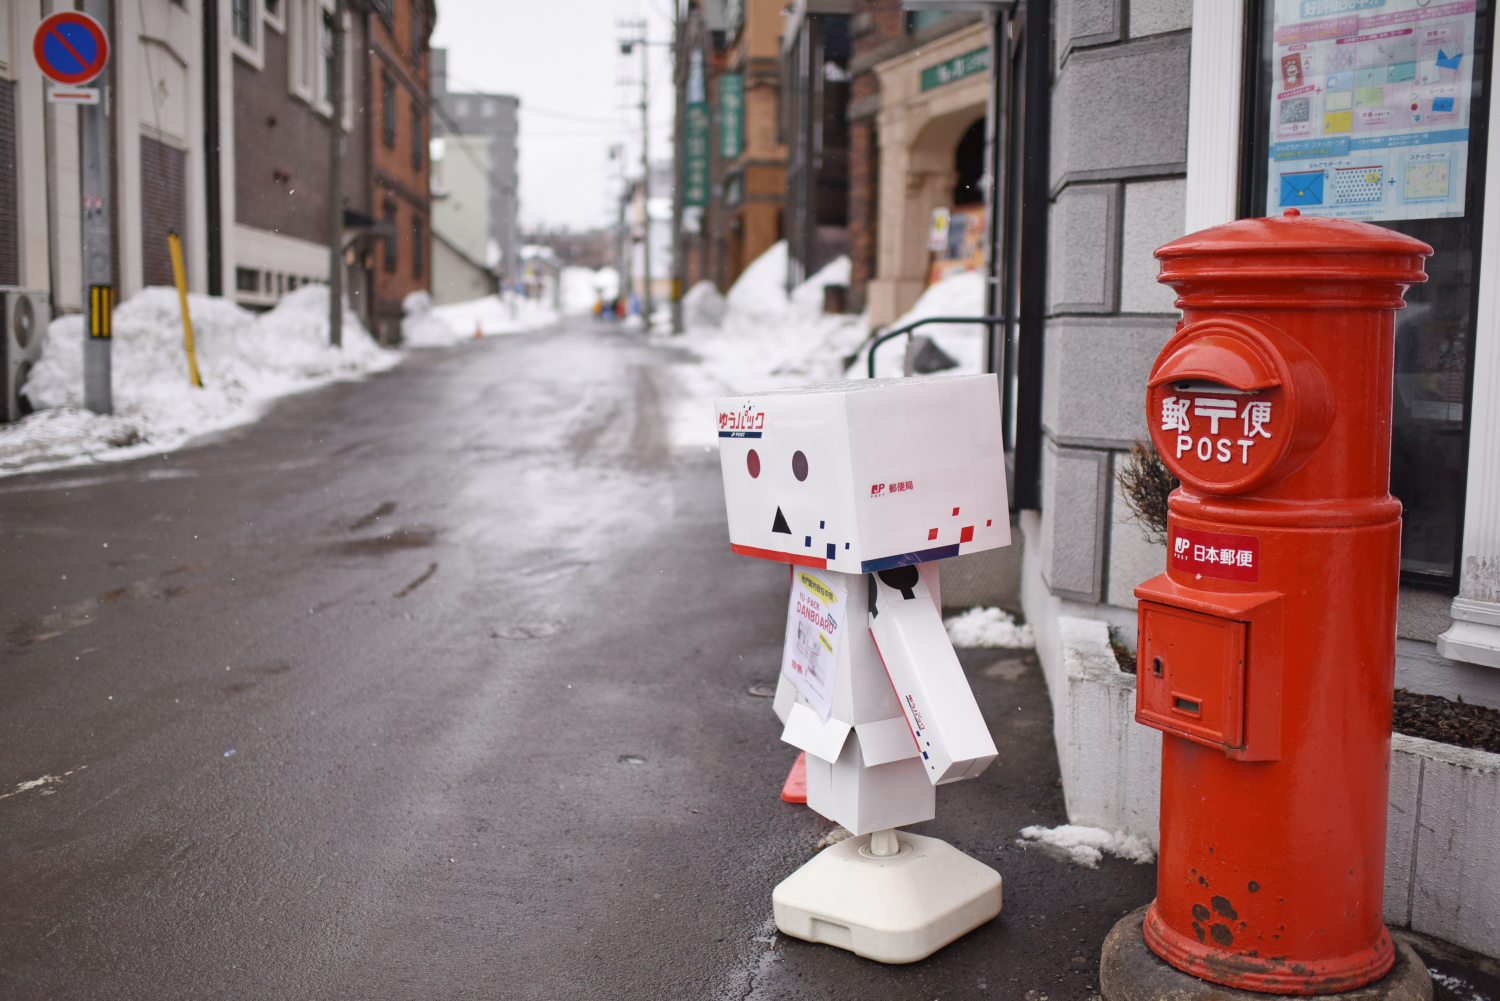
388, 109
1373, 122
390, 241
246, 280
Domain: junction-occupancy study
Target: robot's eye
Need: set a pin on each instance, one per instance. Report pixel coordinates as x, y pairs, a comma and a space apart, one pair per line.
752, 463
799, 465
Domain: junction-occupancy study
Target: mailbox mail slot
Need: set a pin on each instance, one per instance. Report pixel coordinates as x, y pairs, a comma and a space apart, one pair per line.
1191, 674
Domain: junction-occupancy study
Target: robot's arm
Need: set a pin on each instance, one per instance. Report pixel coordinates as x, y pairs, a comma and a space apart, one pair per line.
928, 680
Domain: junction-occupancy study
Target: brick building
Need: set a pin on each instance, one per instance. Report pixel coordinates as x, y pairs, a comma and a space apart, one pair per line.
281, 92
880, 31
397, 144
754, 160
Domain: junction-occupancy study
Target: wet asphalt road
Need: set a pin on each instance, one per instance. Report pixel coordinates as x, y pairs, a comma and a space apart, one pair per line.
473, 634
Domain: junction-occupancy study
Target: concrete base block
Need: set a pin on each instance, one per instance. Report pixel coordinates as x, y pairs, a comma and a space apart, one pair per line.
1129, 971
892, 909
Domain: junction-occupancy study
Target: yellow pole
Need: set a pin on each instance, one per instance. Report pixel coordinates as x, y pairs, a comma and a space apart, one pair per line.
179, 275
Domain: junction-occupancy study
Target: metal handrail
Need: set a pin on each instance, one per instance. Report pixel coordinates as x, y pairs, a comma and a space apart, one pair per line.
988, 320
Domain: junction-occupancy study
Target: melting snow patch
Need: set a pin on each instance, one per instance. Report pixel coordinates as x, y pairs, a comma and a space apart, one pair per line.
1462, 988
1087, 845
246, 361
988, 627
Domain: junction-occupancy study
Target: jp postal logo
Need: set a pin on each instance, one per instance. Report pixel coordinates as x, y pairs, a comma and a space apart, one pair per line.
887, 489
747, 422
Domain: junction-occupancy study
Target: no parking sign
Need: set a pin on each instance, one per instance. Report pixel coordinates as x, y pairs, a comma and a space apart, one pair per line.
71, 48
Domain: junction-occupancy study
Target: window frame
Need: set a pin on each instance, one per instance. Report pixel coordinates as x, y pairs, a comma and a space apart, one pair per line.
418, 134
418, 225
391, 256
388, 108
253, 52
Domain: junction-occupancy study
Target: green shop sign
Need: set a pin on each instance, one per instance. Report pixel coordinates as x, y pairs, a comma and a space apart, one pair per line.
695, 183
956, 68
731, 115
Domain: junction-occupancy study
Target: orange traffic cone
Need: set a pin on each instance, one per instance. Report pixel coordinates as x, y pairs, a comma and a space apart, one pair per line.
795, 790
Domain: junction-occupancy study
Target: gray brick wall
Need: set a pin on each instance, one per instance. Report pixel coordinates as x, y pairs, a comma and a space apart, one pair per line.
1118, 158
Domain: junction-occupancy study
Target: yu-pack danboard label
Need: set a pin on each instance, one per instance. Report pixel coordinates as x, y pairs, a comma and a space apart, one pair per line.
810, 659
1211, 554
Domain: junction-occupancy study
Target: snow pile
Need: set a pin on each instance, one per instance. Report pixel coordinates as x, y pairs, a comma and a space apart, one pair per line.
583, 287
420, 326
246, 361
766, 340
958, 295
1087, 845
988, 627
702, 307
494, 314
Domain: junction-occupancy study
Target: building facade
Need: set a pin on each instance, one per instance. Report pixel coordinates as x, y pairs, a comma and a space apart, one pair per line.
219, 121
280, 91
495, 118
748, 140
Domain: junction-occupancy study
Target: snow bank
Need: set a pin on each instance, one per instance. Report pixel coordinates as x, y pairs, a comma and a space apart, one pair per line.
765, 340
246, 361
582, 287
1087, 845
988, 627
492, 315
958, 295
420, 326
702, 307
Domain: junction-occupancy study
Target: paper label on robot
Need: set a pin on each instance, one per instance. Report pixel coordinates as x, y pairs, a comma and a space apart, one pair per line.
1212, 554
815, 622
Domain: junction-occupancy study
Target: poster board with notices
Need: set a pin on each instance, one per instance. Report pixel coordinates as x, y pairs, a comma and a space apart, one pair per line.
814, 625
1369, 109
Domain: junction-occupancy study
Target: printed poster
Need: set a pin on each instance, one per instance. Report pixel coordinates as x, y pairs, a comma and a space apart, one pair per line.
814, 624
1370, 108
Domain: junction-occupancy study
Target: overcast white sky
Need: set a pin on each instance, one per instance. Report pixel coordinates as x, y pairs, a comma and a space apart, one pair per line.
562, 58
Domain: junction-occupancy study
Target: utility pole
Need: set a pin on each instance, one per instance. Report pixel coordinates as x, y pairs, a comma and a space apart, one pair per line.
627, 45
336, 181
98, 253
679, 158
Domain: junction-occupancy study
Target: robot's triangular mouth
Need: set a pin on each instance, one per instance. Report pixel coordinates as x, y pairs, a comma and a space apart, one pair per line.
780, 525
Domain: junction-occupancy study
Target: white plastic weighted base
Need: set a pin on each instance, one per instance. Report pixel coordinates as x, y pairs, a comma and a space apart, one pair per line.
893, 909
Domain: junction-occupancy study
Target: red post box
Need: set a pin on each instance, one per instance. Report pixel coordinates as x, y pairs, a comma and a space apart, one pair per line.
1267, 650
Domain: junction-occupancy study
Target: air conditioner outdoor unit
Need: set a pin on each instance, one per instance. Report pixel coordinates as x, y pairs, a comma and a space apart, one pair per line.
24, 315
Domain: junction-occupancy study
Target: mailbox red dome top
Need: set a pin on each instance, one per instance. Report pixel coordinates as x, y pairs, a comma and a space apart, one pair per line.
1307, 261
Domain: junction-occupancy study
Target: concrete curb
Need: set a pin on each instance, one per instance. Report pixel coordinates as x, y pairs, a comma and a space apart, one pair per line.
1443, 827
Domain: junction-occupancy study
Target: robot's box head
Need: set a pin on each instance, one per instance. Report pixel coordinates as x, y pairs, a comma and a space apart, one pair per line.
868, 475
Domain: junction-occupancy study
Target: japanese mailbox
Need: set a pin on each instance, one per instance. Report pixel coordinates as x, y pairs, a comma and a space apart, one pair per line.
1267, 649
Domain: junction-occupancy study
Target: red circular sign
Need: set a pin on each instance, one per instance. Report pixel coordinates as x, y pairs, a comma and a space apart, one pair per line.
71, 48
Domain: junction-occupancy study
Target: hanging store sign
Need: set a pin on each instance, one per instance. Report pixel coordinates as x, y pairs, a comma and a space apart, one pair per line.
695, 169
731, 115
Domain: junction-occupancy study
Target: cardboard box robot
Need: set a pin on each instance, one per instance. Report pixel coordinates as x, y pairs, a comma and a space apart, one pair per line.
863, 487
